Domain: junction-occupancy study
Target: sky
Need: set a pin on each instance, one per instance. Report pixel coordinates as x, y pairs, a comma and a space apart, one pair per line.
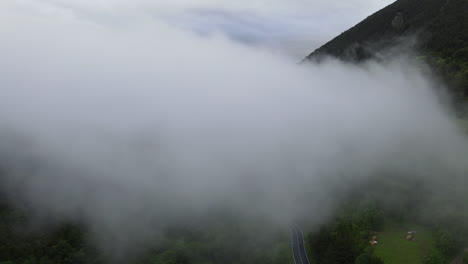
293, 27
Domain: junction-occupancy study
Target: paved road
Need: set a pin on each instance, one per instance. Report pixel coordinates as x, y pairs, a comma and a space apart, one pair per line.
298, 248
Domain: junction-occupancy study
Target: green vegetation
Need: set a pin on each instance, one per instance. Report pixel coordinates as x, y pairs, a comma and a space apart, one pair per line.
441, 30
225, 242
60, 243
346, 239
379, 31
389, 208
228, 239
434, 257
310, 252
224, 239
393, 247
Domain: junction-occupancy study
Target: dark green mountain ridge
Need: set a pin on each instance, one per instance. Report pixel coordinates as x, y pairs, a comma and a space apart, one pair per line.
440, 28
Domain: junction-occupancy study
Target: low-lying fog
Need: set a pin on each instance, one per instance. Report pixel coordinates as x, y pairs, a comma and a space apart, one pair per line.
133, 128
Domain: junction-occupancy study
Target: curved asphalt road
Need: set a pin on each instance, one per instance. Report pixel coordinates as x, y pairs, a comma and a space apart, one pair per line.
298, 247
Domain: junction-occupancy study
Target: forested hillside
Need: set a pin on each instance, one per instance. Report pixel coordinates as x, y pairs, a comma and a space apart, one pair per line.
437, 30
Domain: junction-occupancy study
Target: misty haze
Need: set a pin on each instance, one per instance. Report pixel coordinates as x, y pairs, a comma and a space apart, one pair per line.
212, 132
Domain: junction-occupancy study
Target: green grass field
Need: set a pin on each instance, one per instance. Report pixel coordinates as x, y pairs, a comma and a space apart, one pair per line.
393, 248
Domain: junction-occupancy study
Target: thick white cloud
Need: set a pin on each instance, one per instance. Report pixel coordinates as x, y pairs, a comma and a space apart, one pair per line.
105, 122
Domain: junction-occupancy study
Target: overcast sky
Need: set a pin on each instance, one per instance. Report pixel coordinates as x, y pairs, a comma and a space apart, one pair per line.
293, 27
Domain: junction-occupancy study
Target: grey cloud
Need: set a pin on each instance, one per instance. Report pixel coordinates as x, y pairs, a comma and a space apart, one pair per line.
290, 34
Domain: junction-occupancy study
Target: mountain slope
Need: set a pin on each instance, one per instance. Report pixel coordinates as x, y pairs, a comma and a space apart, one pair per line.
440, 27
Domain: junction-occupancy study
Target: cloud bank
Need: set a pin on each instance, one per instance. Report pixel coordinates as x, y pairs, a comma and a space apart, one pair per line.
132, 129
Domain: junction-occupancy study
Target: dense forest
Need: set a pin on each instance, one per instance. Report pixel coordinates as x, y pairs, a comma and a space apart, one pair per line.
221, 237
